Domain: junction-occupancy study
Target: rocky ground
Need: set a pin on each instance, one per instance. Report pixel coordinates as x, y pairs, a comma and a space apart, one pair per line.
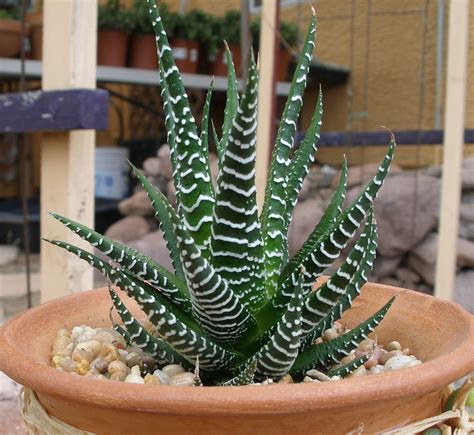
407, 212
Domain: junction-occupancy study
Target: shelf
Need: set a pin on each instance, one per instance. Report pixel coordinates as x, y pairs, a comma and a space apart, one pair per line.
11, 68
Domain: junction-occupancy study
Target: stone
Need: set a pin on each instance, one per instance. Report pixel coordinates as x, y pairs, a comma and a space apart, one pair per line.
464, 290
406, 211
184, 379
407, 276
214, 167
8, 254
152, 166
385, 266
137, 204
153, 245
9, 389
401, 362
165, 161
305, 217
172, 370
164, 152
358, 175
171, 193
468, 174
127, 229
465, 253
423, 258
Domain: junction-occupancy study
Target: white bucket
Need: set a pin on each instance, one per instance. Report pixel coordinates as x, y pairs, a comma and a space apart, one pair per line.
111, 173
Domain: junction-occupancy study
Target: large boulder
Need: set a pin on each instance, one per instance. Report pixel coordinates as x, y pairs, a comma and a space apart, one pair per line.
165, 161
138, 204
305, 217
129, 228
406, 211
385, 267
463, 290
153, 245
423, 257
468, 174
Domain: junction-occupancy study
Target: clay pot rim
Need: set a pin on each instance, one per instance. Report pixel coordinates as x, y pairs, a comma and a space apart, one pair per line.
418, 380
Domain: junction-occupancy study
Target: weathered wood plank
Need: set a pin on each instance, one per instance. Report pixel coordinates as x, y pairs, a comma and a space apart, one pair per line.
70, 109
380, 138
67, 158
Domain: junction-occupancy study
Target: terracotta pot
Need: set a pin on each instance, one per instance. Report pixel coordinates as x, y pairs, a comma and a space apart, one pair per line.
438, 332
186, 55
10, 38
219, 66
36, 38
112, 47
143, 51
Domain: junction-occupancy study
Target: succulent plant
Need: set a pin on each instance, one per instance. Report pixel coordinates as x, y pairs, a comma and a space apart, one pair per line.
236, 304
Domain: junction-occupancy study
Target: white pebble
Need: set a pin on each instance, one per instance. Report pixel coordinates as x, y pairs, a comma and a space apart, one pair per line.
172, 369
134, 379
400, 362
163, 377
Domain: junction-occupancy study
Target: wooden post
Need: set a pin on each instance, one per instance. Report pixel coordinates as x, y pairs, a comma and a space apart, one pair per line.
266, 93
452, 148
67, 158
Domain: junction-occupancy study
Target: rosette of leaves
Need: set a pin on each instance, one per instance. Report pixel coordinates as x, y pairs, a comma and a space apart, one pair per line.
236, 304
112, 16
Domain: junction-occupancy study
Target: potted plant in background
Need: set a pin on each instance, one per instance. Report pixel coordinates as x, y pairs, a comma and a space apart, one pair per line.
112, 39
189, 31
237, 309
229, 32
142, 44
288, 37
10, 33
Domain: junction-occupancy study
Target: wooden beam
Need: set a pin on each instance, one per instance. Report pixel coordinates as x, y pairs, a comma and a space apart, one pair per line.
71, 109
67, 158
458, 40
266, 94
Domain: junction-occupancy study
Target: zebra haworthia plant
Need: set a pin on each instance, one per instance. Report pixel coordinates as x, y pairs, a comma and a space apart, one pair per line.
236, 304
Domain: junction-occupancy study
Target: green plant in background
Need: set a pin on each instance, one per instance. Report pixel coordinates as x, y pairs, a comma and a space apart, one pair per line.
112, 16
288, 32
141, 22
236, 304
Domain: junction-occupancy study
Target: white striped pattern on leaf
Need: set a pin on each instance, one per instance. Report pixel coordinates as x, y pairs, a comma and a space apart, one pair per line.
274, 207
236, 239
192, 159
215, 306
142, 266
323, 355
278, 355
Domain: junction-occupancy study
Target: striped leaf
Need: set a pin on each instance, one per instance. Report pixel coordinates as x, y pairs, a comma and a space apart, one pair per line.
161, 351
231, 105
126, 281
205, 118
184, 340
167, 220
132, 260
329, 246
274, 208
278, 355
236, 240
215, 305
245, 376
348, 368
303, 158
325, 224
326, 300
192, 159
170, 128
322, 355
